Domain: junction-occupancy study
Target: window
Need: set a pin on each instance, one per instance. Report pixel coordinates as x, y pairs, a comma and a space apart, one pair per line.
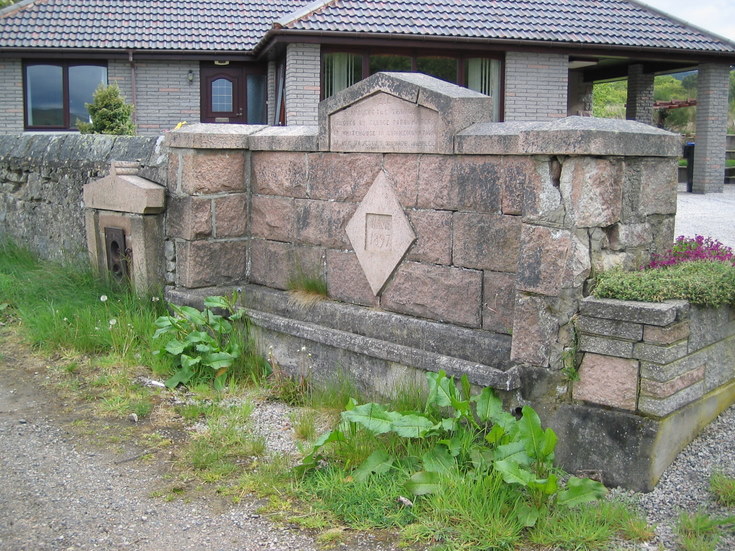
55, 93
483, 74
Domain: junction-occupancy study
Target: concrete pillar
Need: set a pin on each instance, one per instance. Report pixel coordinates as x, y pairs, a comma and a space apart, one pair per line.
709, 153
640, 95
579, 95
303, 72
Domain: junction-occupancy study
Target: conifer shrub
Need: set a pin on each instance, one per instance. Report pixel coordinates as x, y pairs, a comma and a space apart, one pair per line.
109, 112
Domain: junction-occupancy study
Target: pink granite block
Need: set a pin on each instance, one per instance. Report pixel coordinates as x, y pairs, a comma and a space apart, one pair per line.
403, 170
323, 222
204, 172
274, 264
435, 292
498, 301
534, 329
231, 215
189, 218
487, 241
210, 263
273, 218
433, 236
435, 182
656, 389
592, 190
342, 177
608, 381
666, 335
279, 173
346, 281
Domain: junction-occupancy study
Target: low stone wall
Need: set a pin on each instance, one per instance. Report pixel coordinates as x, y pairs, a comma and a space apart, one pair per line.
41, 180
653, 374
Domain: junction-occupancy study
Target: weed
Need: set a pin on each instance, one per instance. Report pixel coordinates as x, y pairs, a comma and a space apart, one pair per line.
700, 532
306, 288
724, 489
207, 346
304, 424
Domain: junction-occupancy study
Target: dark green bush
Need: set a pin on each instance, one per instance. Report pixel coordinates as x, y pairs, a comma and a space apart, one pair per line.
109, 112
707, 283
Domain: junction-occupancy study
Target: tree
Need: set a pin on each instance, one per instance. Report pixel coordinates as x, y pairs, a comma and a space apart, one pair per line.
109, 113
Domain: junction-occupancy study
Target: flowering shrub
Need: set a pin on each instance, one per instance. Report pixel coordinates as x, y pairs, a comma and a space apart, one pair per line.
689, 249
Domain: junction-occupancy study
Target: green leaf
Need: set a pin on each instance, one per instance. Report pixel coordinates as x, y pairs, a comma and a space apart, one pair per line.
530, 430
512, 473
580, 490
377, 463
190, 314
188, 362
433, 380
412, 425
549, 443
175, 347
466, 387
449, 424
487, 405
495, 435
181, 376
424, 482
218, 360
527, 515
439, 460
548, 486
216, 302
371, 416
513, 451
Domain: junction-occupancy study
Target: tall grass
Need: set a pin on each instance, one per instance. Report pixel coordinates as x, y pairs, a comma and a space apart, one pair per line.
67, 307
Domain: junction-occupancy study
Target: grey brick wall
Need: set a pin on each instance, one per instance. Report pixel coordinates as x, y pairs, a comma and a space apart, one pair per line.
302, 84
709, 153
640, 95
271, 95
11, 98
535, 86
164, 96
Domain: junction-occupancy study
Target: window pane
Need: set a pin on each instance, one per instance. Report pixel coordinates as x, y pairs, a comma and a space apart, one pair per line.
444, 68
341, 70
257, 113
483, 75
389, 63
44, 95
83, 81
222, 96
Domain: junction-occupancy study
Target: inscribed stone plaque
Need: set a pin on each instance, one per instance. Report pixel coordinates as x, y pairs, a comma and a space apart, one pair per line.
380, 233
384, 123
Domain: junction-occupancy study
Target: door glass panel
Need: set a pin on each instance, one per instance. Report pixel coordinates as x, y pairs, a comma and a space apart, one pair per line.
257, 113
444, 68
45, 95
341, 70
83, 81
483, 75
389, 63
222, 96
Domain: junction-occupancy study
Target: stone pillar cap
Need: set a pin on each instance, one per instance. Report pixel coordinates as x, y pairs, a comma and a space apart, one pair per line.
124, 191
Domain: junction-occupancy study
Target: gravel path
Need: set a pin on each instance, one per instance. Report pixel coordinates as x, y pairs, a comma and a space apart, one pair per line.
711, 214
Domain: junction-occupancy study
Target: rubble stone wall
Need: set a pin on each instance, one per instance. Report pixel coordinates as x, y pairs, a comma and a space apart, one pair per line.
41, 180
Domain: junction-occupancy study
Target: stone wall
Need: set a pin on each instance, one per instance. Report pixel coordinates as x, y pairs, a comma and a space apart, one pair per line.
653, 374
41, 179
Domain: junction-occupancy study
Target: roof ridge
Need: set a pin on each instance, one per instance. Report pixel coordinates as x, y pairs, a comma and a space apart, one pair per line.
710, 34
302, 12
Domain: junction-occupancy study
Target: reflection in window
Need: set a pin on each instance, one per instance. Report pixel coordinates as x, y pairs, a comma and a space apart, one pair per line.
256, 90
444, 68
483, 75
45, 95
222, 96
83, 81
47, 106
341, 70
400, 63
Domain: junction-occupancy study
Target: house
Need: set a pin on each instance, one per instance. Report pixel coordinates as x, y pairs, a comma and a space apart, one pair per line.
272, 61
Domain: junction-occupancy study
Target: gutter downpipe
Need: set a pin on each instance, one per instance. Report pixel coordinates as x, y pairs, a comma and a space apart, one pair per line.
133, 87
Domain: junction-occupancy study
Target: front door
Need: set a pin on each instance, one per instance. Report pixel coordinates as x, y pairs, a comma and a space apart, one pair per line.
233, 93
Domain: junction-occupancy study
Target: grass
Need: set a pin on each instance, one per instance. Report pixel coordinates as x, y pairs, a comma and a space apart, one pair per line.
700, 532
723, 488
728, 162
708, 283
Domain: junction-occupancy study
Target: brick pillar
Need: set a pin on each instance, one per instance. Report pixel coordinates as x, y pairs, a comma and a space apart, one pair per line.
535, 86
271, 94
640, 95
303, 69
579, 95
709, 153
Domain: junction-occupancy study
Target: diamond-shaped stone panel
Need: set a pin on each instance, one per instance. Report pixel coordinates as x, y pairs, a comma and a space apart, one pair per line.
380, 233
